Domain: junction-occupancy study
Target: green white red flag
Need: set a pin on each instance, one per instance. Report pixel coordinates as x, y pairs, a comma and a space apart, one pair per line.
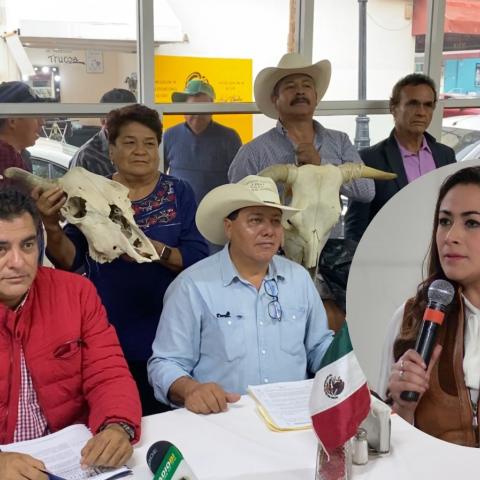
340, 398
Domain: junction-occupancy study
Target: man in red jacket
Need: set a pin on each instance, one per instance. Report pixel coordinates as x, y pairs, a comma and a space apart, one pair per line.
60, 360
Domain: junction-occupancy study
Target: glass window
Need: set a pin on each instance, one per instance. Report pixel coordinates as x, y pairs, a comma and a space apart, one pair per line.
218, 50
39, 167
56, 171
462, 133
390, 45
76, 54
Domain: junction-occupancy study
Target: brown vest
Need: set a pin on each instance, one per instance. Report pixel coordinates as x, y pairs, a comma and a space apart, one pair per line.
445, 410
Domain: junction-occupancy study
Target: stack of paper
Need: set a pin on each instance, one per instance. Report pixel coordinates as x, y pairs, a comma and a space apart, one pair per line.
60, 452
284, 406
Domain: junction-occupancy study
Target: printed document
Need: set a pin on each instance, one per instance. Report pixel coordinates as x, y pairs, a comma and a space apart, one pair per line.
284, 406
60, 452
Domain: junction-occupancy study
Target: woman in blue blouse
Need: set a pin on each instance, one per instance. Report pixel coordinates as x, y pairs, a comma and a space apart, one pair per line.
164, 209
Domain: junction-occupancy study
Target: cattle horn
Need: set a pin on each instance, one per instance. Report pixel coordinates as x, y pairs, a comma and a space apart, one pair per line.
280, 173
351, 171
28, 179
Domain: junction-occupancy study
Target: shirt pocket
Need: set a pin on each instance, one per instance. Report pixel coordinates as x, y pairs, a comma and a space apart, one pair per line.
224, 337
292, 330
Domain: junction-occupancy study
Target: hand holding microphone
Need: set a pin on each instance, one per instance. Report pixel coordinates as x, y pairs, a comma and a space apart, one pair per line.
440, 295
410, 375
166, 462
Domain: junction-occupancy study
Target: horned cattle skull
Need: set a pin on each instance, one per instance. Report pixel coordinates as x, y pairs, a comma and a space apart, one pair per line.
315, 190
102, 211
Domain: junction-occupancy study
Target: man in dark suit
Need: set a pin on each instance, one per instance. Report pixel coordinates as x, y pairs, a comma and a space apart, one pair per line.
409, 151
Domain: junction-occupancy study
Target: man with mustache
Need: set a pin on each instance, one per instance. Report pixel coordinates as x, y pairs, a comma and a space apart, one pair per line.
409, 151
290, 93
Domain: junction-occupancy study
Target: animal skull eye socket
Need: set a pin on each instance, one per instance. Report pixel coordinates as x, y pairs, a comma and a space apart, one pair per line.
116, 216
77, 206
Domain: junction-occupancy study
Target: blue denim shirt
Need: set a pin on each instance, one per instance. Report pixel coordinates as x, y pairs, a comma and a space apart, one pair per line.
215, 327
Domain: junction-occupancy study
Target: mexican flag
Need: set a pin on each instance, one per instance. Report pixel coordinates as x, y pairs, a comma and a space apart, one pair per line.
340, 398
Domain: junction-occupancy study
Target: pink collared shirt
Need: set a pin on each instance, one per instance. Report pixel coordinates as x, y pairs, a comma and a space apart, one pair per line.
417, 164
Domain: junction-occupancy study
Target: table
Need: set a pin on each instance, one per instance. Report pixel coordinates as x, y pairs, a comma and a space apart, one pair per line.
237, 445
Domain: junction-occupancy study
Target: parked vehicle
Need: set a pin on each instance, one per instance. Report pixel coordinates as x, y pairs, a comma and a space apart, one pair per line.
462, 133
50, 158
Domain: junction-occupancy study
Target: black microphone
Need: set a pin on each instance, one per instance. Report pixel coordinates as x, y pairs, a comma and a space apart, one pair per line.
440, 294
167, 463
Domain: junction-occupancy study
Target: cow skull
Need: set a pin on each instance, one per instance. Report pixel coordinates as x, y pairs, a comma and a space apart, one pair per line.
102, 211
315, 190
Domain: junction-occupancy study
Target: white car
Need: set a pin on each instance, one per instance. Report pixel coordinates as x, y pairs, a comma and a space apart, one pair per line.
50, 158
462, 133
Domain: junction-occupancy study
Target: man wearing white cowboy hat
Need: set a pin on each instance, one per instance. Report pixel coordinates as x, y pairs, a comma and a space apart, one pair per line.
243, 316
290, 93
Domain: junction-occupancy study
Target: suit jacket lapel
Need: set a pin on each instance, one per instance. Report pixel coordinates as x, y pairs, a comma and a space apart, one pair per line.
437, 155
395, 161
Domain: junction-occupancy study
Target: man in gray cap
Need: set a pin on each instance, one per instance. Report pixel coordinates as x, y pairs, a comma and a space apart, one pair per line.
93, 155
200, 150
17, 133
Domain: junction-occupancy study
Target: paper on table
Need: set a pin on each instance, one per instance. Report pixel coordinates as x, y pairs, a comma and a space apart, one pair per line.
284, 406
60, 452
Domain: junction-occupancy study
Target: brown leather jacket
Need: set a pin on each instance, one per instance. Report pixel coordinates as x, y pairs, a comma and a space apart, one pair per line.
445, 410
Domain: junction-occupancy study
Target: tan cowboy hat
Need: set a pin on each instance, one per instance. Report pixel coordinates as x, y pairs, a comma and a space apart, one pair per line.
289, 64
222, 201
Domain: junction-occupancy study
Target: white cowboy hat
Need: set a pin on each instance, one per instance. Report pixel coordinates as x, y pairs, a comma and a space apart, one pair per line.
289, 64
222, 201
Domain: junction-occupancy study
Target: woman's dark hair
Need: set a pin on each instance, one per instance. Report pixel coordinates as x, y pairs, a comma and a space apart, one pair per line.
415, 307
14, 204
118, 118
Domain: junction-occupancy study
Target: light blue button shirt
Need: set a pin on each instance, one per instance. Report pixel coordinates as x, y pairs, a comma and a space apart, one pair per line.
215, 327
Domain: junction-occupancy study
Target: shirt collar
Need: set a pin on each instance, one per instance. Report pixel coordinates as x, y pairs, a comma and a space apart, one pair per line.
407, 153
470, 308
318, 127
229, 272
5, 145
471, 357
19, 307
101, 141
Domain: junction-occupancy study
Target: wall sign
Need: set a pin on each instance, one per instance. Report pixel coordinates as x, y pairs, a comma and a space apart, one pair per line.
94, 61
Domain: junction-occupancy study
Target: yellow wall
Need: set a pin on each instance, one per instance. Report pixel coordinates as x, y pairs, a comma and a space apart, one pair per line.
231, 78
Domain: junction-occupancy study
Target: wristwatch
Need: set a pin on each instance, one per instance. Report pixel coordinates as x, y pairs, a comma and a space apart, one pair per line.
128, 429
165, 253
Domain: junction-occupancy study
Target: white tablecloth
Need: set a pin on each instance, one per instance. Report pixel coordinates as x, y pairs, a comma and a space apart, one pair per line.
237, 445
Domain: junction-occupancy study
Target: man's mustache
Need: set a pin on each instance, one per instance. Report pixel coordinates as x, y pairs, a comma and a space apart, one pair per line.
300, 100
